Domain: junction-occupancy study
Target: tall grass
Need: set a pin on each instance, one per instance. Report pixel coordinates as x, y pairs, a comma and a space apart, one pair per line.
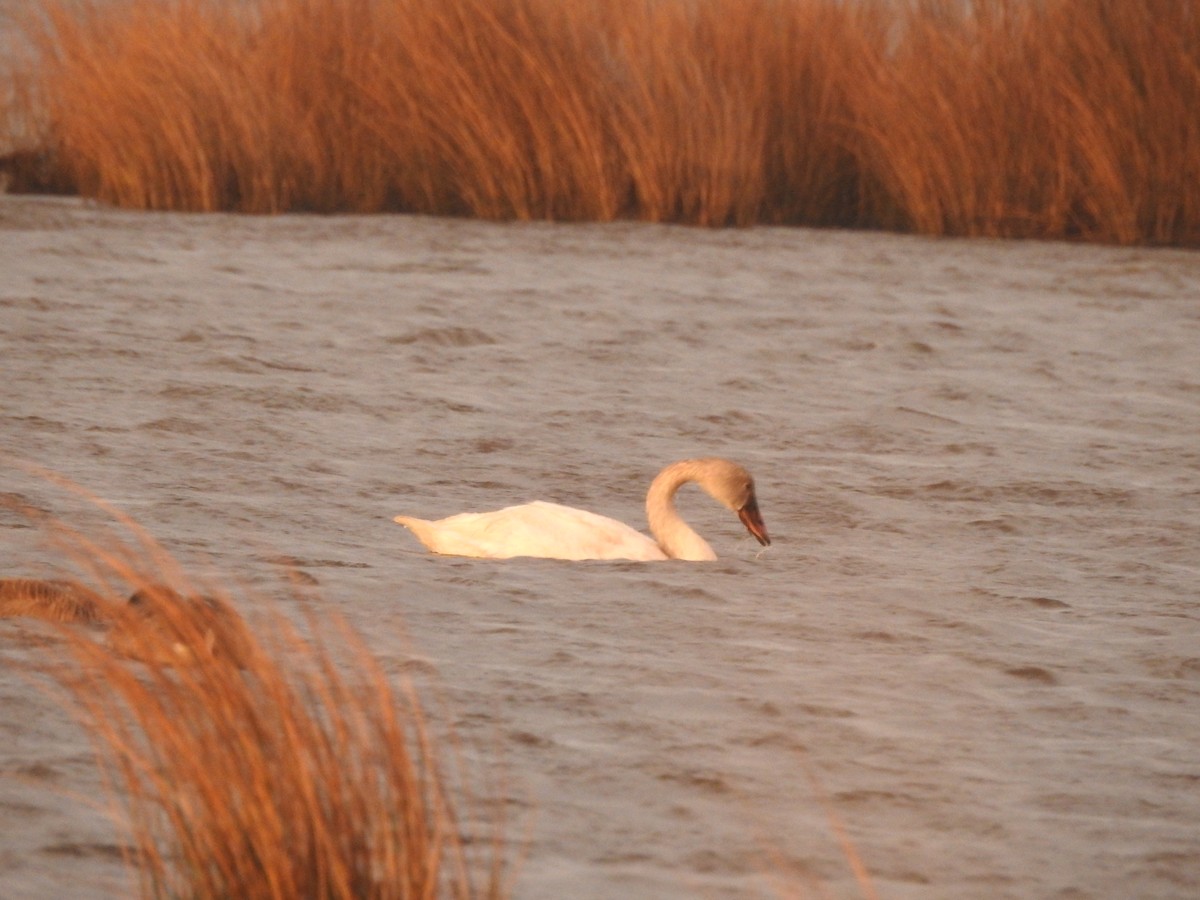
302, 771
305, 775
1038, 118
1062, 118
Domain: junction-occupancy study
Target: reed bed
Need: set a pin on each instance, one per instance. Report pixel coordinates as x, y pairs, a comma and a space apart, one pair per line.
1023, 118
300, 769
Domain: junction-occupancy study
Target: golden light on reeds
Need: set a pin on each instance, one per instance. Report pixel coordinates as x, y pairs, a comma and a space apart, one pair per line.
1064, 118
296, 778
266, 756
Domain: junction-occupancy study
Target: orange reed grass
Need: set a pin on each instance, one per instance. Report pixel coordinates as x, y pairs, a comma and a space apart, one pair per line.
1063, 118
1055, 118
306, 772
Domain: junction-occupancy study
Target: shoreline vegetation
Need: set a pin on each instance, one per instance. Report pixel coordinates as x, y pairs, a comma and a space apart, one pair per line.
1054, 119
306, 772
296, 768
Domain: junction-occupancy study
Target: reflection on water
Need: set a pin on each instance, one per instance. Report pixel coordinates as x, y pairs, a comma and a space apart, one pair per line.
979, 463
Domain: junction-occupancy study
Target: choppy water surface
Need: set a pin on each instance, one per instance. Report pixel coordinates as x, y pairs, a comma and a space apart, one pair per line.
980, 462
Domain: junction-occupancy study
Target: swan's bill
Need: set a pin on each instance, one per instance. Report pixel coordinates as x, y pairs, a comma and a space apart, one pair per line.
753, 521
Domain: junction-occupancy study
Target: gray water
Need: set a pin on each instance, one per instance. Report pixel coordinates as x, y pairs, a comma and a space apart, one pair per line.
979, 461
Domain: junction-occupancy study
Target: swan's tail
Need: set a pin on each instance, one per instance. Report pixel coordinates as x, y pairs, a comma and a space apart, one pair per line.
417, 526
422, 528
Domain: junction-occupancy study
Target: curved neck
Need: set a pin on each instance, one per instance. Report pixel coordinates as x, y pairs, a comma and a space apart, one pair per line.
674, 536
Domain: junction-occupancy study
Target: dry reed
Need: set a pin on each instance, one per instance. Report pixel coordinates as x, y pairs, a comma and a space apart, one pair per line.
305, 773
1057, 118
1064, 118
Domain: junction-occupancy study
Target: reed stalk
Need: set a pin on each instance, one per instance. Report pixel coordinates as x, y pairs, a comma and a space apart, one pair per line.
1047, 119
298, 768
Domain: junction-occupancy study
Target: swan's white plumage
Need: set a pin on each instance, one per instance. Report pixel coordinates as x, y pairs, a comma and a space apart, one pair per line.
534, 529
550, 530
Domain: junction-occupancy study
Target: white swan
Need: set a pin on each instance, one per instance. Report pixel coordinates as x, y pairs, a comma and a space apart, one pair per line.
560, 532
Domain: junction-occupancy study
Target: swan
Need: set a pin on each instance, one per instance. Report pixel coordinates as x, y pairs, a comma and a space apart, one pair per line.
551, 531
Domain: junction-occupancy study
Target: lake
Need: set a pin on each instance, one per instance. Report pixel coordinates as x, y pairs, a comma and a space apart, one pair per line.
977, 626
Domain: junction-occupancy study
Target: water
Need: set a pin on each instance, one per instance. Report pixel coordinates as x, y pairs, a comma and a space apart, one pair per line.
979, 461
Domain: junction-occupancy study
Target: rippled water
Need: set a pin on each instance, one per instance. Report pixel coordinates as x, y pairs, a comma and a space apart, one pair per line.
980, 463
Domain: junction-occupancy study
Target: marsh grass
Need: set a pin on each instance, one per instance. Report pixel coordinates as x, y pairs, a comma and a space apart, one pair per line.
308, 771
1054, 119
282, 780
1067, 118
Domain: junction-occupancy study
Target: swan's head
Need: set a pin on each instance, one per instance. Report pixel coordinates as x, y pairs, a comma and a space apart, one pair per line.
732, 486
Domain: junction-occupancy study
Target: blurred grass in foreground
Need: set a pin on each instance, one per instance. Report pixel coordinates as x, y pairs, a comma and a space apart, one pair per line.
295, 767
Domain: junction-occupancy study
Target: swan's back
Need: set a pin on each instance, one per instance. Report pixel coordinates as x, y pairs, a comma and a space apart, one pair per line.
540, 529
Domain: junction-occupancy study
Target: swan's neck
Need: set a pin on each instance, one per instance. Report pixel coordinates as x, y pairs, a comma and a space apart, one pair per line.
674, 536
